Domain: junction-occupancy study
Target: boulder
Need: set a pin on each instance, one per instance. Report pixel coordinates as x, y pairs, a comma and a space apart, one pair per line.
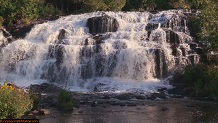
154, 96
151, 26
44, 112
61, 37
124, 96
102, 24
62, 34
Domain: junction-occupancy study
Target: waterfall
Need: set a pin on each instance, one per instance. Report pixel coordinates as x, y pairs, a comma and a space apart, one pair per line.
107, 50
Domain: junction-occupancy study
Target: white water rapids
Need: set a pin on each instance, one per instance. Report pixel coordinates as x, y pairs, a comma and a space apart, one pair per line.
133, 57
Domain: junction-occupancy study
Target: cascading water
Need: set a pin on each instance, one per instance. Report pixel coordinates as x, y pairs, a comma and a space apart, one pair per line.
102, 51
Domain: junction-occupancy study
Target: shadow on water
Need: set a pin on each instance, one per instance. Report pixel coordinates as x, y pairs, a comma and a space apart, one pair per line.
164, 111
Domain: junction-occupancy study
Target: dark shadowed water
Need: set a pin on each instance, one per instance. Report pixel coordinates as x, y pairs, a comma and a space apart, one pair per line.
164, 111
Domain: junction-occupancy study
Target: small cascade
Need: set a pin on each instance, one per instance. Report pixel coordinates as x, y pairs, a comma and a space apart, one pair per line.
106, 47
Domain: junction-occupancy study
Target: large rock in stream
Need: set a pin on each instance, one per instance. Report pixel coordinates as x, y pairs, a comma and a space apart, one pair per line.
102, 24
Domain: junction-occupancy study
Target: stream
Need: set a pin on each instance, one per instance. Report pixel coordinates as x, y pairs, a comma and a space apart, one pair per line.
157, 111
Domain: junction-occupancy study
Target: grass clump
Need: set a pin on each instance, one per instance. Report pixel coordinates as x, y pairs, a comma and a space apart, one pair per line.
65, 101
13, 101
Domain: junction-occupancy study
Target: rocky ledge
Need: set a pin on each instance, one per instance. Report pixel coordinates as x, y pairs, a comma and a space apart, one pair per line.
20, 30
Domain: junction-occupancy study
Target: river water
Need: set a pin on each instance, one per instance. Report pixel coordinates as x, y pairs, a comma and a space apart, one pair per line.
159, 111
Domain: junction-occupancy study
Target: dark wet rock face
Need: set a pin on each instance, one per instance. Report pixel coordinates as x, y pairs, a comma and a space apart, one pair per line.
59, 52
160, 95
102, 24
161, 68
172, 37
151, 26
61, 37
20, 30
7, 38
62, 34
45, 88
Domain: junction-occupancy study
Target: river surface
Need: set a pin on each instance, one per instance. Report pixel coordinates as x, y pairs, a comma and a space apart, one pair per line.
158, 111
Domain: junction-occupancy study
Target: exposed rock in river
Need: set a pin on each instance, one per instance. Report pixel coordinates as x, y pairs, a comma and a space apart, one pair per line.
102, 24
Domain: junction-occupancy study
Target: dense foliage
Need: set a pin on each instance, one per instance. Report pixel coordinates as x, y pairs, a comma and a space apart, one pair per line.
23, 11
77, 6
209, 32
202, 79
65, 101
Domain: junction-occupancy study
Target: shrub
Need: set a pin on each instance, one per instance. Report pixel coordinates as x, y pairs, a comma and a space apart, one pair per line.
203, 79
35, 97
65, 100
14, 102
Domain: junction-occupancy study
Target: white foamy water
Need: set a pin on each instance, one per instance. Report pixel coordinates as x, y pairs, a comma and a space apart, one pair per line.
132, 57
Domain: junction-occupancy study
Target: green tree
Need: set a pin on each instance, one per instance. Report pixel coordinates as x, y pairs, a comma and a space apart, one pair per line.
208, 33
93, 5
196, 4
114, 5
22, 11
102, 5
149, 5
67, 6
